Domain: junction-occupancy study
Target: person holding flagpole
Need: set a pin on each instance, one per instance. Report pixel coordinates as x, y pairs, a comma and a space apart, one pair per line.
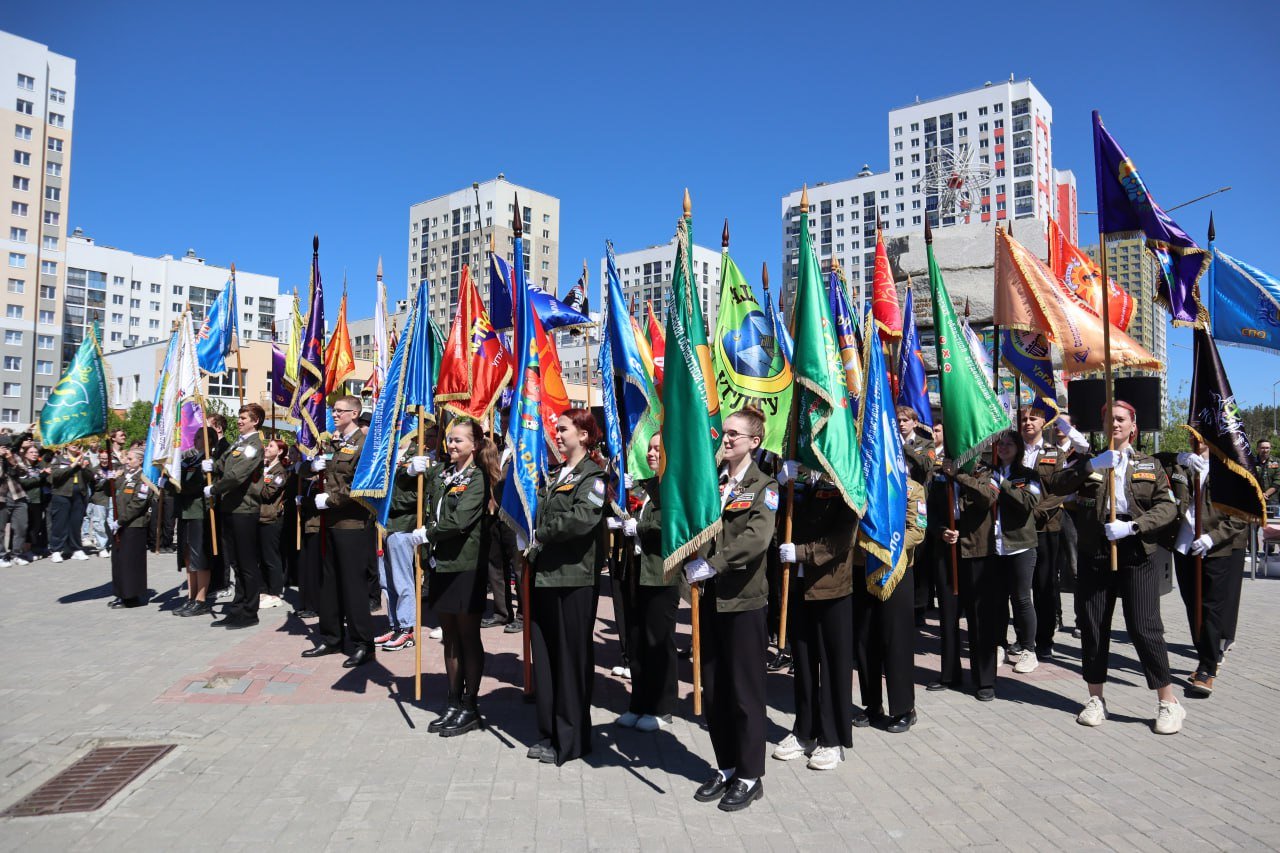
131, 501
193, 548
236, 488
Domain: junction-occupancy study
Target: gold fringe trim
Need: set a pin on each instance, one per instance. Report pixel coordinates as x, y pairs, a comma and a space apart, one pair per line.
1234, 468
672, 563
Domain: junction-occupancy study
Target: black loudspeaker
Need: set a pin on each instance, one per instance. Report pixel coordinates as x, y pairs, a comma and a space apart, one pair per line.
1085, 399
1143, 393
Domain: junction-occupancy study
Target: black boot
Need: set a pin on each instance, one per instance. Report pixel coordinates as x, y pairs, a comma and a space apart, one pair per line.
467, 718
452, 708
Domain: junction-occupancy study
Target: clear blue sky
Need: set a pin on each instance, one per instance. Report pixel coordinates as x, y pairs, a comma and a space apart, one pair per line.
242, 128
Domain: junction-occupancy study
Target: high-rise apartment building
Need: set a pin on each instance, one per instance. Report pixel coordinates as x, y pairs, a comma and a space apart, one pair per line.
455, 229
985, 155
1132, 267
646, 278
37, 105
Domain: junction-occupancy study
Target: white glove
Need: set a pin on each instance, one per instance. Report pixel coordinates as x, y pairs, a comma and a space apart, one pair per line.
787, 552
787, 471
208, 491
628, 482
206, 465
1194, 461
111, 475
318, 464
698, 570
322, 500
417, 465
1119, 529
1105, 459
113, 525
163, 481
419, 536
1073, 435
297, 500
995, 483
613, 523
1202, 545
630, 528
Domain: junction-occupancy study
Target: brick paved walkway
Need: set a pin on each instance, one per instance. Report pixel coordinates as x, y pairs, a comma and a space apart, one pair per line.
301, 754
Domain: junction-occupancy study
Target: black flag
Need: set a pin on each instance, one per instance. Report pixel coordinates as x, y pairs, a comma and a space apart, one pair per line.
1214, 418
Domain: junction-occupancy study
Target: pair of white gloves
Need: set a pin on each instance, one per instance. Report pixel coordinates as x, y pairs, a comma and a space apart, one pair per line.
628, 526
1199, 464
113, 525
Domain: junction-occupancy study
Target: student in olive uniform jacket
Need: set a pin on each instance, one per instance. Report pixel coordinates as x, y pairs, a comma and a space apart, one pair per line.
940, 539
821, 605
566, 558
921, 456
70, 478
129, 556
458, 525
1144, 507
237, 489
1044, 457
1220, 547
33, 476
193, 546
735, 633
655, 601
271, 496
347, 529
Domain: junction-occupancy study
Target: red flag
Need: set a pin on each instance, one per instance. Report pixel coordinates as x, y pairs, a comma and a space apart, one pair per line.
1083, 279
884, 296
555, 398
339, 359
475, 366
658, 346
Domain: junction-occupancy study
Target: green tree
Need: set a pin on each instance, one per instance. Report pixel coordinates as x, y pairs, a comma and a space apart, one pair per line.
136, 421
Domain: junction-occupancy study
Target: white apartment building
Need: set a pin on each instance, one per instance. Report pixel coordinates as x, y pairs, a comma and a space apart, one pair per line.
37, 106
646, 278
978, 156
455, 229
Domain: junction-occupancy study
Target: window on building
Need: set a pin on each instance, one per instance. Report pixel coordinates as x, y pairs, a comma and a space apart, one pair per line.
229, 384
21, 131
22, 184
48, 267
12, 338
54, 144
18, 208
26, 81
50, 243
153, 324
176, 307
57, 96
57, 119
25, 107
22, 158
44, 341
13, 362
45, 318
13, 389
17, 260
18, 235
135, 285
155, 306
135, 303
53, 193
998, 108
13, 312
52, 218
53, 170
915, 127
48, 291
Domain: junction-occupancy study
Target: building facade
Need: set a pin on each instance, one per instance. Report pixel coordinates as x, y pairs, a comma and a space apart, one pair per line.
1134, 268
646, 279
37, 110
455, 229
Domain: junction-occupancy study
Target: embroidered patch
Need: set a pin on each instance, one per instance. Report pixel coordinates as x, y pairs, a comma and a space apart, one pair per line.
746, 496
737, 506
250, 451
1144, 466
567, 487
1144, 475
598, 486
920, 508
1179, 478
235, 453
279, 481
348, 450
458, 489
595, 499
142, 490
771, 498
128, 491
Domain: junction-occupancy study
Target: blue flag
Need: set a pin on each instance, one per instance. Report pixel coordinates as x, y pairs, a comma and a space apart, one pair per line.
882, 533
913, 387
525, 438
1244, 303
1027, 354
218, 331
553, 313
781, 333
1125, 206
309, 410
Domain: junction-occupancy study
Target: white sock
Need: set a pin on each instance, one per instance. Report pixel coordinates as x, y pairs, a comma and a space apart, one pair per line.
726, 774
751, 783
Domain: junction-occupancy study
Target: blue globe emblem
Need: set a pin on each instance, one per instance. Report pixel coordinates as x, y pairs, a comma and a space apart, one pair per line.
751, 347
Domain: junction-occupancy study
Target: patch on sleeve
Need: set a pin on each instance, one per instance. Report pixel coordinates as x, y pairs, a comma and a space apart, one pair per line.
595, 500
1033, 488
771, 498
280, 481
598, 486
738, 505
250, 451
142, 489
1179, 478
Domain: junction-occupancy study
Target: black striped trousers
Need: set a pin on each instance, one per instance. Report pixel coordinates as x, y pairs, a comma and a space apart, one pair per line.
1137, 584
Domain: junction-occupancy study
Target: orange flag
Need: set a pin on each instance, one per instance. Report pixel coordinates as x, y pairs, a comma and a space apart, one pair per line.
339, 360
1083, 279
884, 295
475, 366
555, 397
658, 346
1029, 297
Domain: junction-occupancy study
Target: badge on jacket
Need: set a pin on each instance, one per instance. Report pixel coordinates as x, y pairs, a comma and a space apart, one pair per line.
250, 451
771, 498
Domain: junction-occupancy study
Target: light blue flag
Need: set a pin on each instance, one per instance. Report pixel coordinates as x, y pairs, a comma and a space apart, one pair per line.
781, 333
1244, 303
218, 331
525, 438
913, 386
882, 533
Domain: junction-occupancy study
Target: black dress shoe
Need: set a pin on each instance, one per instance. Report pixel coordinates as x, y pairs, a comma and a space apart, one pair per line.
446, 716
462, 722
867, 717
986, 694
779, 662
115, 602
492, 622
739, 796
184, 607
361, 656
320, 650
934, 686
197, 608
235, 623
712, 789
514, 627
538, 749
305, 614
901, 723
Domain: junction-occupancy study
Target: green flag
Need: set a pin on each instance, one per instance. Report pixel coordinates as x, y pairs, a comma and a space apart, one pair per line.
826, 430
688, 479
750, 367
438, 339
77, 406
973, 412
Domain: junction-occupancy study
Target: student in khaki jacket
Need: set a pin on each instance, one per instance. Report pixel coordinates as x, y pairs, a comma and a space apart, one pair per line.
129, 556
237, 475
735, 633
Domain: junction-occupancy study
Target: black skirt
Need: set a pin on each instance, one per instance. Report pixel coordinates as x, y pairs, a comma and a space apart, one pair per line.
129, 564
191, 549
457, 592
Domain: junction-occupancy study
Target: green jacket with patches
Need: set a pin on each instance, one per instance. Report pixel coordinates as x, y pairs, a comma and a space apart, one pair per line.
567, 527
1227, 532
824, 528
132, 498
649, 535
342, 511
458, 519
1152, 506
236, 477
738, 552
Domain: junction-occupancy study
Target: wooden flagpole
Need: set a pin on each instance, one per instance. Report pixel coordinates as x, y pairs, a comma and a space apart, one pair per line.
417, 573
240, 378
791, 454
1107, 383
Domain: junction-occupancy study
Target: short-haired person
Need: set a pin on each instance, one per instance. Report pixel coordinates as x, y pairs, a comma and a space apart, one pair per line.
129, 556
69, 478
1144, 507
236, 488
1044, 457
921, 456
734, 623
192, 507
566, 557
98, 508
271, 496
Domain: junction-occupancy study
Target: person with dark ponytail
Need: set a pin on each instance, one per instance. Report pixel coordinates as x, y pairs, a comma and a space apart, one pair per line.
193, 548
566, 555
459, 499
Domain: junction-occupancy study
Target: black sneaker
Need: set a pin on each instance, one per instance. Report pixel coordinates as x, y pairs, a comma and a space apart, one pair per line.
779, 662
492, 622
514, 627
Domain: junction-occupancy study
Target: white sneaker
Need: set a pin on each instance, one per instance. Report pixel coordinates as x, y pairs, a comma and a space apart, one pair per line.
1028, 663
628, 720
1000, 656
55, 558
650, 723
227, 594
826, 758
1093, 713
436, 633
1169, 717
626, 673
792, 747
79, 555
4, 564
21, 562
617, 670
267, 601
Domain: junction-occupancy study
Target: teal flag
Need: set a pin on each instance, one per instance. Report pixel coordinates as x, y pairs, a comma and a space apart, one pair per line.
77, 406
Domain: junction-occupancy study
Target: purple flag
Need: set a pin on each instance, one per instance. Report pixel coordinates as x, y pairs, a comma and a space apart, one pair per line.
308, 408
281, 388
1125, 205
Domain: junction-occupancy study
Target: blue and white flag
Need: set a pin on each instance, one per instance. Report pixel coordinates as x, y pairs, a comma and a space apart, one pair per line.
882, 533
219, 333
913, 384
153, 450
780, 332
553, 313
1244, 303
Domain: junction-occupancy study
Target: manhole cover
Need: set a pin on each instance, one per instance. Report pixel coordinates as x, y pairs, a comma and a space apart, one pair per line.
87, 785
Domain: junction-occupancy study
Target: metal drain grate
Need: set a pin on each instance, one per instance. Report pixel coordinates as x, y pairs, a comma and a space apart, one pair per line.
87, 785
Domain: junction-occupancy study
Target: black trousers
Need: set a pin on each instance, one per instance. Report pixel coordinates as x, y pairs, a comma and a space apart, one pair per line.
309, 572
129, 564
1215, 602
1137, 584
242, 538
269, 540
66, 516
983, 591
344, 588
622, 591
1235, 588
37, 531
1046, 591
653, 650
885, 632
733, 685
949, 606
502, 551
925, 587
1018, 571
773, 574
822, 647
1068, 560
564, 667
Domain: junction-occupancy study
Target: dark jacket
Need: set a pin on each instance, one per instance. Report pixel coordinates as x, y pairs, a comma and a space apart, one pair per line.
458, 519
237, 474
1151, 503
402, 515
1227, 532
33, 481
738, 551
190, 502
271, 492
1015, 500
132, 498
649, 533
67, 477
567, 527
1049, 512
342, 511
823, 531
921, 458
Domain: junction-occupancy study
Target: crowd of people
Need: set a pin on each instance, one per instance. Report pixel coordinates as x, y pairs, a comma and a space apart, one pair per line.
997, 544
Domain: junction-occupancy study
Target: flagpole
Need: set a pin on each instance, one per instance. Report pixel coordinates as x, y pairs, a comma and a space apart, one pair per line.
1106, 381
791, 454
240, 380
417, 573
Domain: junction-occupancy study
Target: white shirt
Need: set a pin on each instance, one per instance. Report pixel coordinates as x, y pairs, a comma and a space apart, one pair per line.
729, 482
1031, 455
1117, 481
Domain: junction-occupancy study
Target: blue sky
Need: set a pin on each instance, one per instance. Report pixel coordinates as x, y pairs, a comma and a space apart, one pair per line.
240, 129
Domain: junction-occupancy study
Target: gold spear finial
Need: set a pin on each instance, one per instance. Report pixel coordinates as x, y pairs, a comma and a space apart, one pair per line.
688, 204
